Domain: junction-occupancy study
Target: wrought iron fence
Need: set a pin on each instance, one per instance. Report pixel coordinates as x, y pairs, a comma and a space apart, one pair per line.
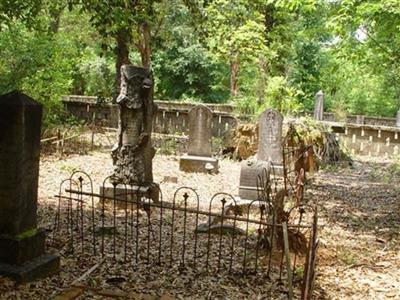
228, 237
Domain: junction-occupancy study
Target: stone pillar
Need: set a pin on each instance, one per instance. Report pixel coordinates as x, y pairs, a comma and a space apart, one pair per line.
199, 149
319, 106
22, 244
398, 118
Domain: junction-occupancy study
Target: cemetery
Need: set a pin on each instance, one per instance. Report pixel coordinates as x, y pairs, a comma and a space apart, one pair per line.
108, 215
280, 192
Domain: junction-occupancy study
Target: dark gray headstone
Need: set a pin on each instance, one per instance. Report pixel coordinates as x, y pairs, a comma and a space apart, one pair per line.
20, 122
22, 245
200, 119
319, 106
270, 137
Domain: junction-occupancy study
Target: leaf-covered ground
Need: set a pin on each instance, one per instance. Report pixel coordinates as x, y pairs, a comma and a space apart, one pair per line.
359, 256
359, 237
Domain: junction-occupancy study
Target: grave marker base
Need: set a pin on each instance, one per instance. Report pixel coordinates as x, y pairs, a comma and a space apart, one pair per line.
249, 172
26, 258
40, 267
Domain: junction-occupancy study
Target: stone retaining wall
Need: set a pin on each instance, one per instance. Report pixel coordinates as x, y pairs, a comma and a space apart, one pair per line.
361, 134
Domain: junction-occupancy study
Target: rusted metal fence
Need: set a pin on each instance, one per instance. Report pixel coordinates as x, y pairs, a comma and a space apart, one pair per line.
125, 225
298, 162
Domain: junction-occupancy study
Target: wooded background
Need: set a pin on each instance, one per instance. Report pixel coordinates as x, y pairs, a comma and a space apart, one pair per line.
254, 54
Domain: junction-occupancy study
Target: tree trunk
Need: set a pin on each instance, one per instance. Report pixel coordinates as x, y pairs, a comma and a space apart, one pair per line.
122, 57
144, 46
234, 76
55, 16
262, 80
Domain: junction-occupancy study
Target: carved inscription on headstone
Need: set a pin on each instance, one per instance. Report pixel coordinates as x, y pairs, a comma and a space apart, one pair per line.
270, 137
200, 118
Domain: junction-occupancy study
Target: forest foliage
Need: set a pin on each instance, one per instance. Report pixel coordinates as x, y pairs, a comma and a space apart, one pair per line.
254, 54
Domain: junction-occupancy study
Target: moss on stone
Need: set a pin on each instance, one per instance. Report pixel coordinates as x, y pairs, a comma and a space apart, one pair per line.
26, 234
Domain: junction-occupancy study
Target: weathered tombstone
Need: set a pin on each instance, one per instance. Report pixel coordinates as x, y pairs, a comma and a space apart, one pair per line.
319, 106
398, 118
270, 137
22, 244
199, 154
269, 155
133, 154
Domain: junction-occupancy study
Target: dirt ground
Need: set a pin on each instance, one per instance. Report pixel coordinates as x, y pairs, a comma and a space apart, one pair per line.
359, 255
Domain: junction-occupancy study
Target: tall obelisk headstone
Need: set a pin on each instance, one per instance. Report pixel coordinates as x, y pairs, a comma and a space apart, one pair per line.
133, 153
319, 106
22, 244
398, 118
269, 155
199, 158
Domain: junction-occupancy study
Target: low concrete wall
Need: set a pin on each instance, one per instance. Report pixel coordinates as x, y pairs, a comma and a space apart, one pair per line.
170, 118
368, 140
363, 120
379, 137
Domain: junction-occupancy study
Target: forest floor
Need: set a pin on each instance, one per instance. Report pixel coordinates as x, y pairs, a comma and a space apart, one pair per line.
359, 253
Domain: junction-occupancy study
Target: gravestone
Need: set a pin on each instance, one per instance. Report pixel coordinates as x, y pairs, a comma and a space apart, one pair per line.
270, 137
398, 118
22, 244
269, 155
133, 154
319, 106
199, 154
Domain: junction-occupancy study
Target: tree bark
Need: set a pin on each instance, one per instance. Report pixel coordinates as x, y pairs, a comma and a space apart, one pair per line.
122, 57
234, 76
144, 44
55, 16
262, 79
